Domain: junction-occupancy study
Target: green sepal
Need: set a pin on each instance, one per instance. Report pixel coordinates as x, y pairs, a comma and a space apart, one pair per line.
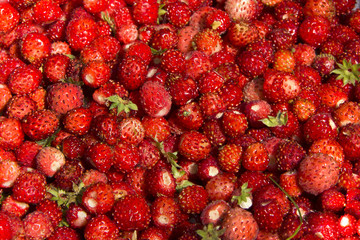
280, 119
183, 184
210, 232
347, 72
121, 105
244, 197
47, 141
70, 56
107, 18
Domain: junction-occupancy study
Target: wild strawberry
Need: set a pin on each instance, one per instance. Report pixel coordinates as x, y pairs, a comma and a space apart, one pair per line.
349, 140
240, 223
155, 99
239, 10
218, 20
210, 82
319, 126
288, 181
160, 182
77, 216
288, 155
332, 200
270, 192
214, 212
194, 145
55, 67
284, 61
80, 31
73, 147
185, 36
347, 225
330, 147
314, 177
268, 215
255, 111
214, 132
46, 12
40, 124
132, 72
208, 168
9, 17
131, 213
178, 13
63, 97
196, 63
37, 225
29, 187
95, 73
26, 152
164, 39
234, 123
15, 208
280, 86
254, 180
101, 226
98, 198
164, 212
207, 41
323, 224
68, 175
229, 157
347, 113
284, 34
126, 157
153, 232
49, 160
77, 121
242, 33
307, 76
145, 11
11, 134
24, 80
314, 30
10, 170
52, 209
255, 157
193, 199
252, 63
64, 233
35, 47
190, 116
182, 89
172, 61
6, 93
105, 128
221, 187
156, 128
212, 105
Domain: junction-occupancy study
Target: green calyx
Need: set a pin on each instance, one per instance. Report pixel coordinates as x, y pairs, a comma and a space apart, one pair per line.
210, 232
107, 18
280, 119
347, 72
64, 198
244, 199
121, 104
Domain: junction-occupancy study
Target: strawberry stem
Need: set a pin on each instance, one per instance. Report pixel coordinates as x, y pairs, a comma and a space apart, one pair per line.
296, 206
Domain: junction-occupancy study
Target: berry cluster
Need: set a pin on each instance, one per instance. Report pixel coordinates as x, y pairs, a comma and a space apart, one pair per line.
179, 120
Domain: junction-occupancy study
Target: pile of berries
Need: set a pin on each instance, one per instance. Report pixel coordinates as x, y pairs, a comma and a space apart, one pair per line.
179, 120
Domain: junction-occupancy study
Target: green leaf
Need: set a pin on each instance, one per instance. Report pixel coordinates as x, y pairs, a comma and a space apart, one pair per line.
296, 206
47, 141
280, 119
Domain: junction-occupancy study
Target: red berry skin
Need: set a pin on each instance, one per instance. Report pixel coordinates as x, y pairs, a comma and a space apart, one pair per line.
98, 198
99, 227
318, 126
323, 224
314, 30
24, 80
29, 187
318, 172
9, 17
160, 182
11, 133
5, 227
131, 213
193, 199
